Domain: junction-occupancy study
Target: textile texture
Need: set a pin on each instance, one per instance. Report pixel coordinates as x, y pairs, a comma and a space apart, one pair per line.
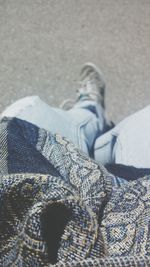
58, 207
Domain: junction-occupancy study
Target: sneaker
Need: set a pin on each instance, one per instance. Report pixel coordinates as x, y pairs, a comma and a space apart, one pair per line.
92, 87
92, 84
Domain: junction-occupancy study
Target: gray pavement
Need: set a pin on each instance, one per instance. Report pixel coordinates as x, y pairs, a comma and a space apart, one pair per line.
43, 44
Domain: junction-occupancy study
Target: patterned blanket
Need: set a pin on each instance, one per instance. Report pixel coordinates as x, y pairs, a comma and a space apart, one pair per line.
58, 207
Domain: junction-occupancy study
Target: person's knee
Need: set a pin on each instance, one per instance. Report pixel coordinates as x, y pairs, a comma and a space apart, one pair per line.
20, 105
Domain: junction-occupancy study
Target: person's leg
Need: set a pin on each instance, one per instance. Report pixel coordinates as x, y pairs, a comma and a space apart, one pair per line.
91, 120
81, 124
78, 124
36, 111
127, 143
89, 109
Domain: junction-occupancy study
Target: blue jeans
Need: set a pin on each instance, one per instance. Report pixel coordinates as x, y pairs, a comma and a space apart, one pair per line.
81, 125
128, 143
87, 127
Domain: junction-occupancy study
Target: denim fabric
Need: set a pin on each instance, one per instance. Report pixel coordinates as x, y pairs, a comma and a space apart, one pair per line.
82, 124
128, 143
85, 125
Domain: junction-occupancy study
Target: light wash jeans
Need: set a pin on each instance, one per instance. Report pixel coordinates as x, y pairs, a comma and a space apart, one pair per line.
81, 124
85, 125
127, 143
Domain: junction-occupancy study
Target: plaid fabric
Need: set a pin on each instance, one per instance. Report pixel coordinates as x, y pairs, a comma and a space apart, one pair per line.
57, 206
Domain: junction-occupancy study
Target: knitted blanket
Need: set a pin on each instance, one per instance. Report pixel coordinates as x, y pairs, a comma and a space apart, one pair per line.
58, 207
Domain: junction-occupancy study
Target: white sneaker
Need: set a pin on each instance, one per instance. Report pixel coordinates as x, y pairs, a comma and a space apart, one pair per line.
92, 84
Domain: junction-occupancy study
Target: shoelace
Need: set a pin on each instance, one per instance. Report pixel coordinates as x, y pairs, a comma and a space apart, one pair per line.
86, 89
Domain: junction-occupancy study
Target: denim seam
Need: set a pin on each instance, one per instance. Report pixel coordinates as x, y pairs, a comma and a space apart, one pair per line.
81, 124
113, 135
118, 142
102, 145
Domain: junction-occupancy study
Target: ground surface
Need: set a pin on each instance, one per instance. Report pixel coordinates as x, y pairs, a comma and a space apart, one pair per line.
43, 44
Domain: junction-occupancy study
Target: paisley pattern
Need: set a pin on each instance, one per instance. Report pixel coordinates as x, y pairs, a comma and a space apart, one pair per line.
108, 226
125, 224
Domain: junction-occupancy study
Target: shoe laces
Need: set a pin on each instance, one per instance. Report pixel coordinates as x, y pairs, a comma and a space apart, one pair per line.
86, 89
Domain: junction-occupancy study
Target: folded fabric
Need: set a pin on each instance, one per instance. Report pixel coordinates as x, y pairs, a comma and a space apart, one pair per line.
129, 173
58, 207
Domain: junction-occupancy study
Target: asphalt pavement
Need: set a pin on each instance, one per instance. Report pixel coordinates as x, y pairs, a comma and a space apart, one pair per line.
44, 43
